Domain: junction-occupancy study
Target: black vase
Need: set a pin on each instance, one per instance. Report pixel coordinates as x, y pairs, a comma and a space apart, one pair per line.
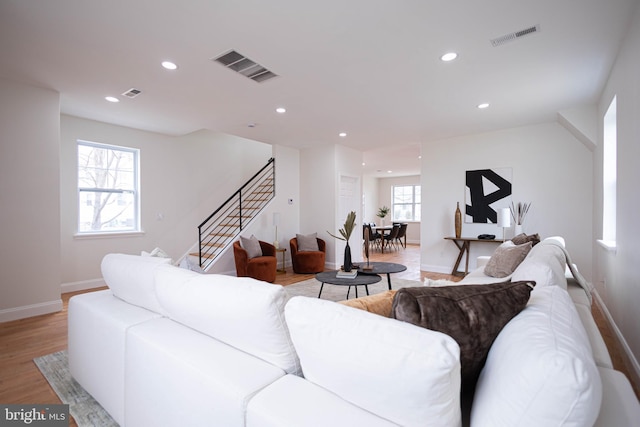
347, 266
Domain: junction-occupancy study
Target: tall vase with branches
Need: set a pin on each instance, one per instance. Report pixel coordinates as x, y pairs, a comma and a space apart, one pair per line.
345, 233
518, 214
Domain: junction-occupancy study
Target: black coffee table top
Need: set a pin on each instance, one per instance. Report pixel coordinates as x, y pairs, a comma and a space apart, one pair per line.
360, 279
381, 267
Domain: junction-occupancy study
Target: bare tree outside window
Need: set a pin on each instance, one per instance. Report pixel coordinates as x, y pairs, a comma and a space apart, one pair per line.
406, 203
107, 188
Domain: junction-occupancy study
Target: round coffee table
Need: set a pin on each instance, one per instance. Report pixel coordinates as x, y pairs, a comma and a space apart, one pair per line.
360, 280
382, 268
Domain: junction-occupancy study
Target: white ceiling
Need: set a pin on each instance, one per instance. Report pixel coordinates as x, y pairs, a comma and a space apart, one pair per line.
370, 68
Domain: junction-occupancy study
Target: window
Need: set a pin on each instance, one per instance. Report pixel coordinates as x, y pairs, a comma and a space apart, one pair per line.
108, 193
406, 203
609, 176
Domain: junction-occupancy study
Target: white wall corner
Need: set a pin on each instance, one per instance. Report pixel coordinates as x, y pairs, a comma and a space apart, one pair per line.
581, 122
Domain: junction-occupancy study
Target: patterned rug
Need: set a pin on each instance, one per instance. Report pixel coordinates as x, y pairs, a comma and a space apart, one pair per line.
82, 407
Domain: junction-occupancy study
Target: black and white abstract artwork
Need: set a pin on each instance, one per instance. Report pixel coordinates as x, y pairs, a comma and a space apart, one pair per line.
486, 192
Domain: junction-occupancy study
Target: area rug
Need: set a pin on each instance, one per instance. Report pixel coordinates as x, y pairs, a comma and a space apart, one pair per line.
311, 288
82, 407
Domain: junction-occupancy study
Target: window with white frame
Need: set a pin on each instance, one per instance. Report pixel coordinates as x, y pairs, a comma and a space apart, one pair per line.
609, 175
406, 203
108, 189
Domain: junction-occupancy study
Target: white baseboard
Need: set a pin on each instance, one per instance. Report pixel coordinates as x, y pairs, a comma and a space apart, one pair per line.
81, 285
435, 268
621, 339
30, 310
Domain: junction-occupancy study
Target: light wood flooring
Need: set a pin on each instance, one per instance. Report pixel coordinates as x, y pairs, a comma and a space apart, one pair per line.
22, 340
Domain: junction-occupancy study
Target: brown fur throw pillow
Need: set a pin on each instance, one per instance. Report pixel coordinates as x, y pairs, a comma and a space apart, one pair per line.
473, 315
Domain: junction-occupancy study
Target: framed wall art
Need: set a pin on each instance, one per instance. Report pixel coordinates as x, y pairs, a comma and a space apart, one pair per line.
486, 192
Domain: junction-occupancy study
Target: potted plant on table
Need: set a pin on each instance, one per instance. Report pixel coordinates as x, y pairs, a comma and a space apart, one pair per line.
345, 232
382, 213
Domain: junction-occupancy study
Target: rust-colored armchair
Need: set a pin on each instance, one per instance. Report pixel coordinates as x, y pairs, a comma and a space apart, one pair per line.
305, 261
259, 267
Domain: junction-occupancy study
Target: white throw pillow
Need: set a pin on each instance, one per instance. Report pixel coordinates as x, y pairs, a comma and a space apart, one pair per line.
308, 242
130, 278
438, 282
251, 245
545, 264
540, 370
403, 373
188, 264
240, 311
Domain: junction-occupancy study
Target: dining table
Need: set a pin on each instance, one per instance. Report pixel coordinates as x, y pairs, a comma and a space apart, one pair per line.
382, 229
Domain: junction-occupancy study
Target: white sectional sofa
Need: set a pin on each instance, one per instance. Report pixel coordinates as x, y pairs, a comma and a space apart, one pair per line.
165, 346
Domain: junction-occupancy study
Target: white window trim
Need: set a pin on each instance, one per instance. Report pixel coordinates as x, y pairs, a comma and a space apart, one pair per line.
413, 202
117, 233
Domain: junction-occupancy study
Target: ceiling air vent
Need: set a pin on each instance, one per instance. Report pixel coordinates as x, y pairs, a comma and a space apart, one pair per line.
515, 35
132, 93
243, 65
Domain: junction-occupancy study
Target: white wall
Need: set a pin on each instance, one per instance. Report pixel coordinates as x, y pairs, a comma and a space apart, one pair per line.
551, 169
30, 194
287, 188
320, 169
385, 193
183, 179
616, 276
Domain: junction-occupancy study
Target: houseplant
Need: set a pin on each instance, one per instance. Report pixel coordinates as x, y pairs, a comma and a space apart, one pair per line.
345, 233
382, 213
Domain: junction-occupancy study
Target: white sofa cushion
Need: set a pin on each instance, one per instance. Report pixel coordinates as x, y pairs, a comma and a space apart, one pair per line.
240, 311
598, 346
176, 376
130, 278
398, 371
98, 322
540, 370
620, 406
545, 264
293, 401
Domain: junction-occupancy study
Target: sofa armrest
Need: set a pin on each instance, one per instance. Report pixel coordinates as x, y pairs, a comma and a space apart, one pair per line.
482, 260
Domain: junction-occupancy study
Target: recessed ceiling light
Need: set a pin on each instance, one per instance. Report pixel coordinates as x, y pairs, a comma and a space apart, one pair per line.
483, 105
364, 164
111, 99
342, 134
389, 171
450, 56
169, 65
281, 110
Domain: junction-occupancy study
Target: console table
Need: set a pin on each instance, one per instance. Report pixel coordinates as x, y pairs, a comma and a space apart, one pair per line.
463, 244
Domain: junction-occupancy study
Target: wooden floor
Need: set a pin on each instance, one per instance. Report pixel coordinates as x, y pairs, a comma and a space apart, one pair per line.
22, 340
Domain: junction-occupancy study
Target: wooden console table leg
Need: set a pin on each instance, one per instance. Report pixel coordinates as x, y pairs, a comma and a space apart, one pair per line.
467, 246
461, 247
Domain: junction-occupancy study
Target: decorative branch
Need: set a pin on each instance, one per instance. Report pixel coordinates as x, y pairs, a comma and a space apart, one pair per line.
349, 224
519, 211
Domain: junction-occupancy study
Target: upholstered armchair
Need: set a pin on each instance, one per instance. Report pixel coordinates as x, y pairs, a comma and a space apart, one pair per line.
261, 267
305, 260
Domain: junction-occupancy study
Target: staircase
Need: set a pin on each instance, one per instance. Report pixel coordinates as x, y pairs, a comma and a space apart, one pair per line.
222, 227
